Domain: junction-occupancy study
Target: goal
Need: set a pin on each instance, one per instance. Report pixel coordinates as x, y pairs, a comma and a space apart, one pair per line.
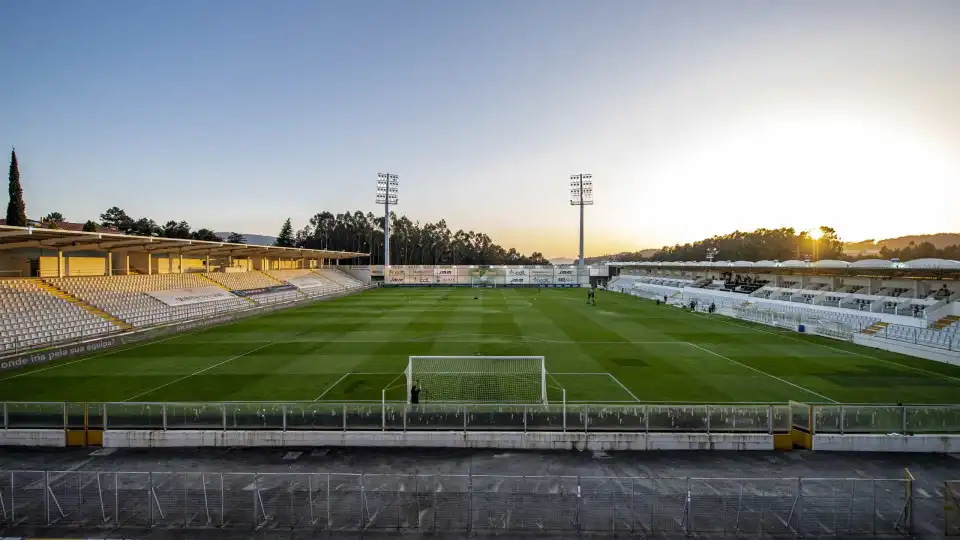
508, 380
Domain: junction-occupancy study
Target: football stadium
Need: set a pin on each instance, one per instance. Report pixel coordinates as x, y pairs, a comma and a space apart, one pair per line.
220, 320
133, 343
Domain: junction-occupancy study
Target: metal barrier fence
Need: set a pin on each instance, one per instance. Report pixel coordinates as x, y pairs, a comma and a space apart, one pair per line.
951, 508
747, 418
883, 419
450, 503
733, 418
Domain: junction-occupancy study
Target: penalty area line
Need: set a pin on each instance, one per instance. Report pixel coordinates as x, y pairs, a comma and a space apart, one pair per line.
331, 387
760, 371
199, 371
625, 389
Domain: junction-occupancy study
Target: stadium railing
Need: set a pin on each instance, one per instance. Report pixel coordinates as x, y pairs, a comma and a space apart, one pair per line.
464, 504
767, 419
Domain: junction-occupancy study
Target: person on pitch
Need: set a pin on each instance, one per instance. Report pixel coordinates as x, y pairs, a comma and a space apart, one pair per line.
591, 298
415, 393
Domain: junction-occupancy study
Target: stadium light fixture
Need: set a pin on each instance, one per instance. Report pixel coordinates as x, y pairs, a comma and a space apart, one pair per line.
581, 194
388, 192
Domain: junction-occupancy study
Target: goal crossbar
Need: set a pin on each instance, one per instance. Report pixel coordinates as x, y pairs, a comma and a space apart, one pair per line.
477, 379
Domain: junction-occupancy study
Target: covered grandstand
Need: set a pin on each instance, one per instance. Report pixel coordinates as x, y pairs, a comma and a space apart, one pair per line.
60, 286
909, 306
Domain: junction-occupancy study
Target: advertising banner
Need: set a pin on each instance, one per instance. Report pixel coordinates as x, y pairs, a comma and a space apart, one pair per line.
395, 274
541, 276
307, 282
518, 276
265, 290
186, 297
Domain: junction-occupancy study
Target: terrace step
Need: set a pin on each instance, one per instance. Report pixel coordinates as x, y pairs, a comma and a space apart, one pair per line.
64, 295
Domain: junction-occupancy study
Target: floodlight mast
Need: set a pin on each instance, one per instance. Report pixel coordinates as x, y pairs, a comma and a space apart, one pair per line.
581, 194
388, 190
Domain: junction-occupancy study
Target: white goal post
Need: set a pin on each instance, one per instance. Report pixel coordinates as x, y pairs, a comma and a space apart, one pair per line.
506, 380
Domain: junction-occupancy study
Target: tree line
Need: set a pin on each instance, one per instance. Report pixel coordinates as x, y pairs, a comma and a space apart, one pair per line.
410, 241
778, 245
762, 244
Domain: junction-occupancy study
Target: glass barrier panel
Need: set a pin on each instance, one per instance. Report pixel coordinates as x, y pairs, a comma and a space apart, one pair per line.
265, 416
545, 418
75, 415
35, 415
828, 418
691, 418
740, 418
495, 417
872, 419
616, 418
328, 416
364, 416
933, 419
427, 417
134, 416
95, 415
393, 417
781, 418
195, 416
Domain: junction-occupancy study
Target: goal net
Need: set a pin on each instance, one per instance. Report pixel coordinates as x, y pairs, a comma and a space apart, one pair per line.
509, 380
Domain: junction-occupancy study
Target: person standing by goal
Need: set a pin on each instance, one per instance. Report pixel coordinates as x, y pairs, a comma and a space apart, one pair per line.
415, 393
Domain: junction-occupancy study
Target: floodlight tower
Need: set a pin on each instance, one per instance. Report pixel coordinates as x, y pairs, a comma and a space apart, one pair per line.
711, 254
388, 189
581, 194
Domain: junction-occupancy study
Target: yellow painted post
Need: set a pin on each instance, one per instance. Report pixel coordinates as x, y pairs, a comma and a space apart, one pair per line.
149, 263
109, 263
59, 264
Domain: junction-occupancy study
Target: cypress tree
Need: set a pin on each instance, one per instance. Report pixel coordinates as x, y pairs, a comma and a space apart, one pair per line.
285, 238
16, 210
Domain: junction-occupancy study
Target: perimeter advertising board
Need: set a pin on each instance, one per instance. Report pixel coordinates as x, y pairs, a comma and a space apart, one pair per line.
420, 275
395, 274
541, 276
565, 275
518, 276
446, 275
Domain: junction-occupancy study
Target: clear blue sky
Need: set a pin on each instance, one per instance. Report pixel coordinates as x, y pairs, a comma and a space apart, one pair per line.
695, 117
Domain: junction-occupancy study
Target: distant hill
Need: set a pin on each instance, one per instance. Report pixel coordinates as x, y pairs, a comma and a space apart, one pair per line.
252, 239
939, 240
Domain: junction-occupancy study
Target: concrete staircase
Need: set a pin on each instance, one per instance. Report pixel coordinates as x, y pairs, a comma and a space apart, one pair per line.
875, 327
949, 320
64, 295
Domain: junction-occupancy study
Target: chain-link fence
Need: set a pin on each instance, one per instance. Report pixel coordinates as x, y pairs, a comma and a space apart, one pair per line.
458, 504
951, 508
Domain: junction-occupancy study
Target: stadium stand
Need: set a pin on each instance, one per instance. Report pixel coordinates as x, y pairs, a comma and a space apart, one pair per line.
123, 297
242, 281
341, 278
31, 317
250, 281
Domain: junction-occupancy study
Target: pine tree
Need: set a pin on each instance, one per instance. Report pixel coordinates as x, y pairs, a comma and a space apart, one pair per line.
90, 226
236, 238
16, 210
285, 238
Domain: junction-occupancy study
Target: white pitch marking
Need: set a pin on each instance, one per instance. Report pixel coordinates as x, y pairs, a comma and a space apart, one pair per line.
783, 335
119, 350
345, 375
762, 372
199, 371
627, 390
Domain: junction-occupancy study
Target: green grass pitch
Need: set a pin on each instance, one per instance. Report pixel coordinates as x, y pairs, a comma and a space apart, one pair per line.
623, 349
